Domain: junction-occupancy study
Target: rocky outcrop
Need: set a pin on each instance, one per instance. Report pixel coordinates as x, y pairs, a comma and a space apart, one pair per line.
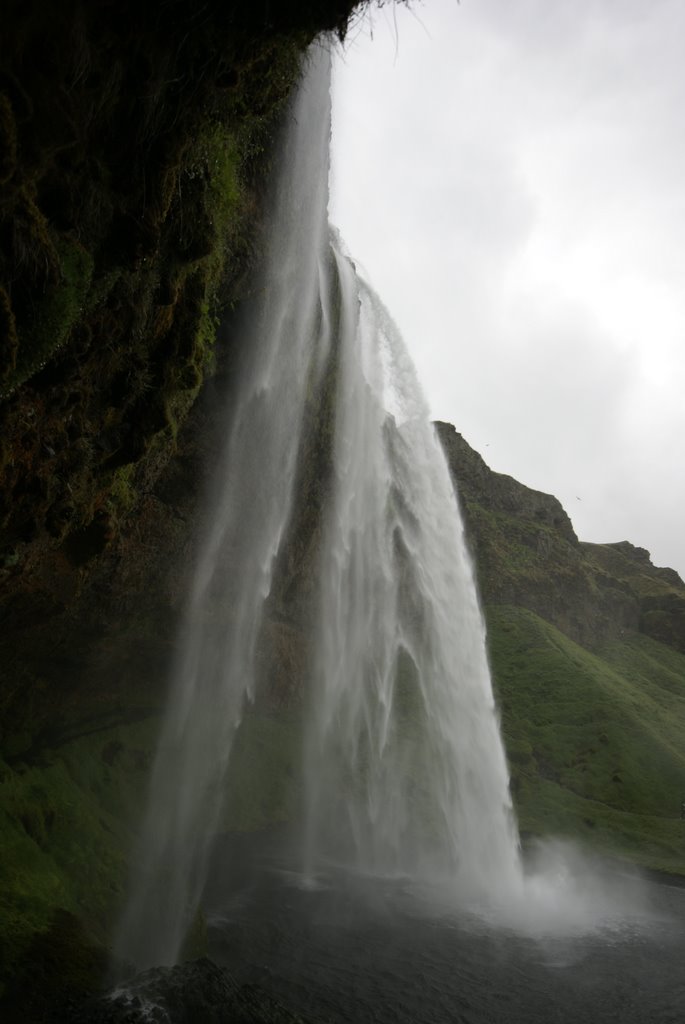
186, 994
527, 554
658, 592
477, 483
135, 143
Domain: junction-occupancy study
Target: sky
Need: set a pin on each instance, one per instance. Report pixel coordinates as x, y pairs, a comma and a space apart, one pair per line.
510, 176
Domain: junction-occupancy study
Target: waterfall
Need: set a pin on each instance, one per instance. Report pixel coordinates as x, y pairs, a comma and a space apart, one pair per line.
403, 763
405, 766
283, 348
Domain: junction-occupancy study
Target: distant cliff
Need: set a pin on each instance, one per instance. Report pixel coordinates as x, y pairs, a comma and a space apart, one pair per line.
587, 646
527, 554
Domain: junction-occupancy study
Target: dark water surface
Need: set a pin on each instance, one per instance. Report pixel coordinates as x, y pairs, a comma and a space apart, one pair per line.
360, 950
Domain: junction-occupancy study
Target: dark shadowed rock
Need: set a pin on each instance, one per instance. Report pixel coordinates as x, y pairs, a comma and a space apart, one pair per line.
199, 992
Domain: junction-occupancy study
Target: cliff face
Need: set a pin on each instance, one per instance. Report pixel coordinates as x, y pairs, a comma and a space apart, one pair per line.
135, 143
527, 554
658, 592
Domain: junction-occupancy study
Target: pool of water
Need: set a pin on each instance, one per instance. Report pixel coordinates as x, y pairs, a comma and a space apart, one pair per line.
358, 949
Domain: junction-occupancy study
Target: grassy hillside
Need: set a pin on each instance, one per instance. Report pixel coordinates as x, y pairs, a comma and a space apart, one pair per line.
594, 740
587, 647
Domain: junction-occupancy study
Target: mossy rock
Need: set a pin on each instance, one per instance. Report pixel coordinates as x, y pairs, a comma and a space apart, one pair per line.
62, 968
66, 821
9, 342
8, 140
46, 327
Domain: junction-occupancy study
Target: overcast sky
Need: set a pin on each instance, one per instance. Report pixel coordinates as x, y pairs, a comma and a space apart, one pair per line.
511, 176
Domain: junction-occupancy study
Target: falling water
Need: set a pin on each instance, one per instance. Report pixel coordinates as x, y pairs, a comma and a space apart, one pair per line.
215, 674
406, 770
403, 761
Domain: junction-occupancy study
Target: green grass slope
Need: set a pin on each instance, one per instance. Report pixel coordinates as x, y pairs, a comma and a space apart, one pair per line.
65, 835
594, 740
69, 815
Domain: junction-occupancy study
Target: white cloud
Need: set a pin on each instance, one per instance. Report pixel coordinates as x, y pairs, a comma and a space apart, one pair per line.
512, 177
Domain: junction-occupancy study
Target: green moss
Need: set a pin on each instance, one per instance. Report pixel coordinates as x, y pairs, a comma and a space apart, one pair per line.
123, 494
179, 401
211, 240
219, 158
62, 967
102, 287
65, 832
48, 325
220, 151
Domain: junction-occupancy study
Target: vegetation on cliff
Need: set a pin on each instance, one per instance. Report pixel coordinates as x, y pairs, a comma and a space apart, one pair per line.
135, 141
587, 645
134, 144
